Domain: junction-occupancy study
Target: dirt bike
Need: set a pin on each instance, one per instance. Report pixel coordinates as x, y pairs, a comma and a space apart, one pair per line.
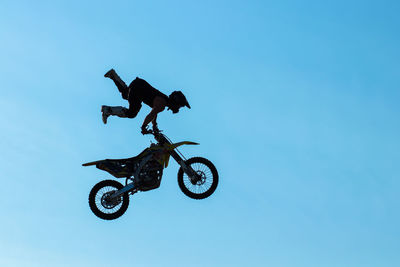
109, 199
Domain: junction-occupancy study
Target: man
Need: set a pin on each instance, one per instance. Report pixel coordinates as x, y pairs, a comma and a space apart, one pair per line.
140, 91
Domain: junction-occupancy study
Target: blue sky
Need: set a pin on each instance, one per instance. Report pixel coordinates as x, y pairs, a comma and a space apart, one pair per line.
295, 102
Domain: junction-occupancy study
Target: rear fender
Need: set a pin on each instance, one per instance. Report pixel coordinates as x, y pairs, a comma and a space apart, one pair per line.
93, 162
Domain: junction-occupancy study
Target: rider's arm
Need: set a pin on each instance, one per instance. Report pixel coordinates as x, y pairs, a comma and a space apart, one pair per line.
154, 121
158, 106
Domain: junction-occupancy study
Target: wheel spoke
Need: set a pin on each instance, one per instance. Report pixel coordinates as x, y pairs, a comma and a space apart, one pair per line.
99, 203
207, 179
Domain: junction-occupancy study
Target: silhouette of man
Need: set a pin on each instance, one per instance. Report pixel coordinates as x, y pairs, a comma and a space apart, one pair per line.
138, 92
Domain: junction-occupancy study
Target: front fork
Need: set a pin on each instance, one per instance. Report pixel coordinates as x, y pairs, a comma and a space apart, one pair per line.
192, 174
188, 170
194, 177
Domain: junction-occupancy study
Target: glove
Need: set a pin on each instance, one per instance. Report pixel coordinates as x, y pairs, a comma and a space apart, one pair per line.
155, 128
145, 130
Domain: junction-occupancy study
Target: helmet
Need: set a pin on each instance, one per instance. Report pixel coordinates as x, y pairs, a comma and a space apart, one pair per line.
177, 100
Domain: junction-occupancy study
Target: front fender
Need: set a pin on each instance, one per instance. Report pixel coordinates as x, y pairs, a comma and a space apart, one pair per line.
170, 147
175, 145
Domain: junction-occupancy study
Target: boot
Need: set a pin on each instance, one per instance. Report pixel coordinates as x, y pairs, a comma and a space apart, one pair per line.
121, 85
105, 112
110, 73
116, 111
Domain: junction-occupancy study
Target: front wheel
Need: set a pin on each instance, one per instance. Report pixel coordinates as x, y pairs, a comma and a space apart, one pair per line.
205, 182
101, 203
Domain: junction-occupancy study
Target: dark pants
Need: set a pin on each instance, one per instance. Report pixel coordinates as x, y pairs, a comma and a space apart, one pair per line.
132, 93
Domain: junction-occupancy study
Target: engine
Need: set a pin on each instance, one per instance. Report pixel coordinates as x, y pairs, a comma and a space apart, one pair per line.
150, 175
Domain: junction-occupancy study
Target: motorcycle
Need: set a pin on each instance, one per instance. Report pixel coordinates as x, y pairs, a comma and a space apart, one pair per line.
109, 199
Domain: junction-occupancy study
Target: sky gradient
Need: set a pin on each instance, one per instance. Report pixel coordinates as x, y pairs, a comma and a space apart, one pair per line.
295, 102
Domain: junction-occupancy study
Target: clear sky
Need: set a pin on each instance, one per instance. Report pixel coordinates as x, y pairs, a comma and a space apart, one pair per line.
295, 102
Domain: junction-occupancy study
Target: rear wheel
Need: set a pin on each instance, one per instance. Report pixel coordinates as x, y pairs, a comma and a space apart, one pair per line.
101, 203
205, 182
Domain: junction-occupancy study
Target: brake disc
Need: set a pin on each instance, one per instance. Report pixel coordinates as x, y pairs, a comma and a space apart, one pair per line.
109, 203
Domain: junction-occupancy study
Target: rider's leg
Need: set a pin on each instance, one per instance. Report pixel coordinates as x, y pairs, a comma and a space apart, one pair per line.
135, 104
121, 112
112, 74
134, 107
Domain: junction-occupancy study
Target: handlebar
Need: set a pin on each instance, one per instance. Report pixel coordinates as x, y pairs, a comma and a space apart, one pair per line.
161, 138
150, 131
